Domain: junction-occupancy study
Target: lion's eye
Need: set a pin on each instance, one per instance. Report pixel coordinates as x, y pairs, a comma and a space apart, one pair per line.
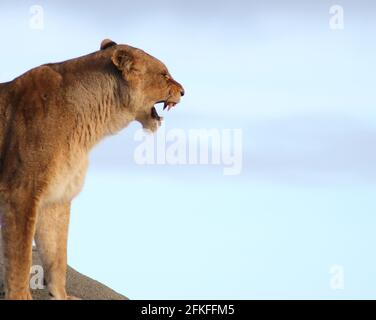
166, 76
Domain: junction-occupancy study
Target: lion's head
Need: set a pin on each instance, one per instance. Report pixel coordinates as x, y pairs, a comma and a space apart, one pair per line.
149, 80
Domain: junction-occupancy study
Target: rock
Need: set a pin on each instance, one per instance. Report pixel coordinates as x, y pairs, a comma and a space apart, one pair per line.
77, 284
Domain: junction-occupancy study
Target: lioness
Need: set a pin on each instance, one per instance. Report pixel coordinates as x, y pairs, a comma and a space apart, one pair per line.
50, 118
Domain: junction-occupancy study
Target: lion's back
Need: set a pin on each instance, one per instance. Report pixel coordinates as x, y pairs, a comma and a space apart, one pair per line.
29, 107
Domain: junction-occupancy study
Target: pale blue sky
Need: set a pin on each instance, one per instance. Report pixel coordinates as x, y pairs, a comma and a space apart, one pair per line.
304, 97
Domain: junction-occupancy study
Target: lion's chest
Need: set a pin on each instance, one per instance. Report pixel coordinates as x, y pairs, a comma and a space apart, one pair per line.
67, 181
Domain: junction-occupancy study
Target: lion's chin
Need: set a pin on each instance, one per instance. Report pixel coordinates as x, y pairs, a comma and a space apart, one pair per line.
151, 125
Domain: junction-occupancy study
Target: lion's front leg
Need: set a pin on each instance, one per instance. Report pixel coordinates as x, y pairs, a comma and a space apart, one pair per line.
17, 233
51, 239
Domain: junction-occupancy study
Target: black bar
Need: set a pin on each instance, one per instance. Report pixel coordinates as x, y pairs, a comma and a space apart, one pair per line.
191, 309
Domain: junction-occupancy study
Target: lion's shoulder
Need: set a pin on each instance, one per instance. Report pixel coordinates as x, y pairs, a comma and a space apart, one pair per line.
37, 81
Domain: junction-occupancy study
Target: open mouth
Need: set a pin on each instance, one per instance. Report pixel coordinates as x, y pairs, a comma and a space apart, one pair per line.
166, 104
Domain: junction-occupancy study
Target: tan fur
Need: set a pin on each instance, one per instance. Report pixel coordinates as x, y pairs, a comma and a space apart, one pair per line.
50, 118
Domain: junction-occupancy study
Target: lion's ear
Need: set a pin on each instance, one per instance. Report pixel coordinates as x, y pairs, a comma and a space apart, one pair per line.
122, 60
107, 43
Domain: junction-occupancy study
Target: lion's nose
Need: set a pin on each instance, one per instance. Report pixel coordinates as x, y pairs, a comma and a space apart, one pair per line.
182, 92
